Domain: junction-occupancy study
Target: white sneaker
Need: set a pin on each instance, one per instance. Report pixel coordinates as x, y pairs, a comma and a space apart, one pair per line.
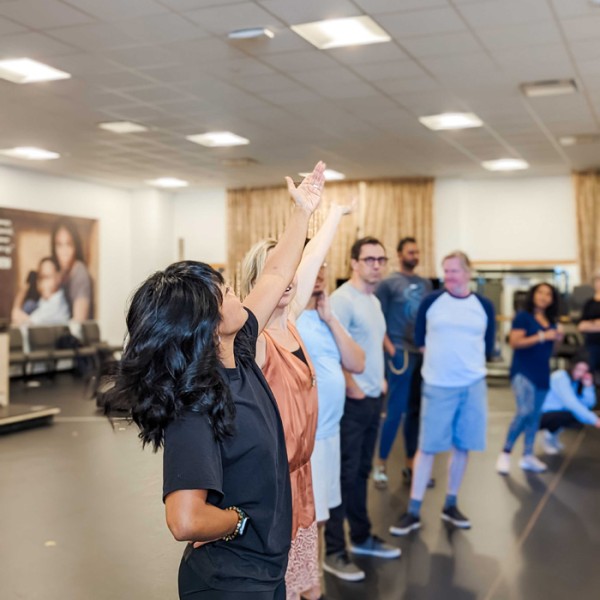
503, 463
531, 463
380, 477
551, 444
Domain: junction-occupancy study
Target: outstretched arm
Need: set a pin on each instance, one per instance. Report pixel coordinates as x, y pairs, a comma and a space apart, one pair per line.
314, 255
283, 260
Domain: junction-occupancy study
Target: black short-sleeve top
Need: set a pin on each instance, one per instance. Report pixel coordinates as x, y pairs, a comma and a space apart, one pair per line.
248, 469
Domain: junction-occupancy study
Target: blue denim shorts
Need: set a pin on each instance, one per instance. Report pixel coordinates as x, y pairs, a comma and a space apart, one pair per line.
453, 417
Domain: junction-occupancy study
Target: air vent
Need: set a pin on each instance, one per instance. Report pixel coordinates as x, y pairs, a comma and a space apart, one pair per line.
549, 87
238, 162
577, 140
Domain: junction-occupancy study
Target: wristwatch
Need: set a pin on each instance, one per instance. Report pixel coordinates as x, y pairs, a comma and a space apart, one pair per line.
240, 528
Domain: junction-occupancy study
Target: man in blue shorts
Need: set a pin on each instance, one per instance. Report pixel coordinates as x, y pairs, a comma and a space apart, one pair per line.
455, 329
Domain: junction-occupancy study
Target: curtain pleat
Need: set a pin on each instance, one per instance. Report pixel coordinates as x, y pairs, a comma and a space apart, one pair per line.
587, 201
388, 210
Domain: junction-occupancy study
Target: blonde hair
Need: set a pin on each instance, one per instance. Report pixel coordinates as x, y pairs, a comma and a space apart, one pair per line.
253, 265
465, 263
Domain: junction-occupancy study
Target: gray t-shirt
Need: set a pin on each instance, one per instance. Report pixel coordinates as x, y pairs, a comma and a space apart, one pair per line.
361, 315
400, 296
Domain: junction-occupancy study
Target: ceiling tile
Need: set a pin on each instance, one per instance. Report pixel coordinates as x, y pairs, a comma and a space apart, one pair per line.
43, 14
33, 45
161, 29
158, 94
222, 19
7, 26
183, 5
575, 8
441, 45
267, 83
293, 12
93, 37
308, 60
487, 15
521, 36
385, 6
395, 87
285, 40
538, 63
582, 28
203, 51
421, 22
358, 55
142, 56
389, 70
119, 80
117, 10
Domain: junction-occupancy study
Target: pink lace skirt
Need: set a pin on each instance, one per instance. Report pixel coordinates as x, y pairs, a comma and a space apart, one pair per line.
302, 575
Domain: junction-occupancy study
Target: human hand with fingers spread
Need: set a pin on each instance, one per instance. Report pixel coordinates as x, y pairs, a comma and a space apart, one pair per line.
308, 194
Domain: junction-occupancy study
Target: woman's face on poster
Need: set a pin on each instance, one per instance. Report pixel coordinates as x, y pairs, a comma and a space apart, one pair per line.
64, 247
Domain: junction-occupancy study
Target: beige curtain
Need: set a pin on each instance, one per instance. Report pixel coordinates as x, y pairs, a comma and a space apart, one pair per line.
387, 210
587, 199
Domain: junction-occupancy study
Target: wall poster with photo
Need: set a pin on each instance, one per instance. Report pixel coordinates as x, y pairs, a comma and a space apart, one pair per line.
48, 267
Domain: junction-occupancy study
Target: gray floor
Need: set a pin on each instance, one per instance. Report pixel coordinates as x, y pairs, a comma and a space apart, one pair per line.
82, 518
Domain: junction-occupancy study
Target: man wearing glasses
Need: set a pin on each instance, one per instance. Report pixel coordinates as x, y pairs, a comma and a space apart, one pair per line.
359, 311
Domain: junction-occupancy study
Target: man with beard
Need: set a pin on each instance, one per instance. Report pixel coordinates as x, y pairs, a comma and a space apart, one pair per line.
400, 295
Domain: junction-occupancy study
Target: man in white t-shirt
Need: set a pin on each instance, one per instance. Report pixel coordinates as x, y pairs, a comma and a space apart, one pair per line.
455, 329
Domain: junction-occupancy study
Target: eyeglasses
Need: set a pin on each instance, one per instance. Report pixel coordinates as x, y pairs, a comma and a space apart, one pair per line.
371, 260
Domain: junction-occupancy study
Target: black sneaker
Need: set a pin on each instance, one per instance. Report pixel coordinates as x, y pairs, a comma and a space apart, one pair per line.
405, 524
454, 516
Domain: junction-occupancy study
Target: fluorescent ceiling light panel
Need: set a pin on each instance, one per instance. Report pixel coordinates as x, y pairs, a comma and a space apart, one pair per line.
218, 139
122, 127
25, 70
251, 33
168, 182
445, 121
329, 174
30, 153
505, 164
335, 33
550, 87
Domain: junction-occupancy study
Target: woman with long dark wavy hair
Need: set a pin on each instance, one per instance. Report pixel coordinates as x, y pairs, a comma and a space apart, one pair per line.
189, 376
532, 336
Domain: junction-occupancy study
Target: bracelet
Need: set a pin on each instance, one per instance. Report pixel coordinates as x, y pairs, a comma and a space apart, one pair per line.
241, 516
542, 336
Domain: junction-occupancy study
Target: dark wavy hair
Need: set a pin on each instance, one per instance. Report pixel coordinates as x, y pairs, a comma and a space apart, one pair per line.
170, 362
552, 311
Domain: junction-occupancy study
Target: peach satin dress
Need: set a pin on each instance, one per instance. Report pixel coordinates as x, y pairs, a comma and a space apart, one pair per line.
294, 387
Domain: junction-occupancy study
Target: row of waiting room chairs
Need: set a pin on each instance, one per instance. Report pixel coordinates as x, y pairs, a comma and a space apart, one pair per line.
46, 345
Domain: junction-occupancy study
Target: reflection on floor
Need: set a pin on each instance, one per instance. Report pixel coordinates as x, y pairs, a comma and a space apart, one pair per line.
82, 518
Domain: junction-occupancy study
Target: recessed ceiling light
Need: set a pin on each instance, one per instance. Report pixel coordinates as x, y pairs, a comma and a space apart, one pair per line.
25, 70
250, 33
550, 87
216, 139
505, 164
576, 140
168, 182
335, 33
30, 153
329, 174
451, 121
122, 127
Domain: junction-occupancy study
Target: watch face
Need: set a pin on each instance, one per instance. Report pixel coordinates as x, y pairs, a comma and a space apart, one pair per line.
243, 526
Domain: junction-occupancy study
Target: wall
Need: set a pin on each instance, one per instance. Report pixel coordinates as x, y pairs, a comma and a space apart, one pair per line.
200, 220
503, 220
27, 190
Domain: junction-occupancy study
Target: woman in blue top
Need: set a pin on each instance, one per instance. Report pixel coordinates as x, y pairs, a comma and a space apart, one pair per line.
532, 337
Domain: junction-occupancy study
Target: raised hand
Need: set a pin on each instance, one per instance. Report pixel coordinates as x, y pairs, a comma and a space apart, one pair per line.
308, 194
346, 209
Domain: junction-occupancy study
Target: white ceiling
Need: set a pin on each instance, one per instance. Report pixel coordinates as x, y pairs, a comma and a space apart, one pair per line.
169, 65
